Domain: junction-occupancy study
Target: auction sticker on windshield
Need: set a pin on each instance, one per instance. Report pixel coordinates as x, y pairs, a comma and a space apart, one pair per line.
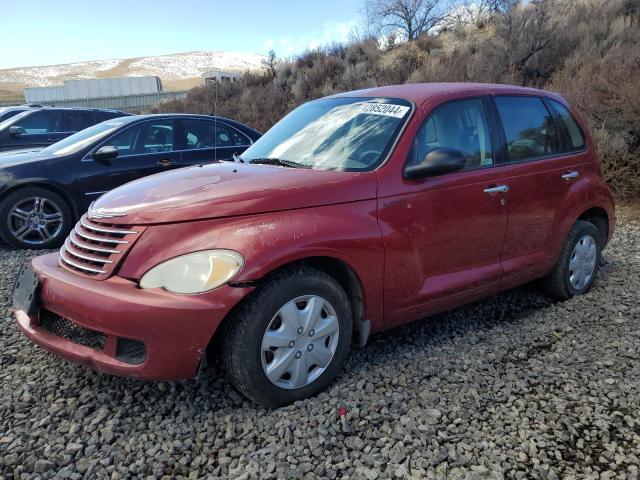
386, 109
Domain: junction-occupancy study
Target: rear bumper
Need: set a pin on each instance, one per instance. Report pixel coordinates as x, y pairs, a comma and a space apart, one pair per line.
175, 329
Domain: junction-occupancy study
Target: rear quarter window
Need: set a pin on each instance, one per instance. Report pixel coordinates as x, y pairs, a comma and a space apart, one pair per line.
572, 132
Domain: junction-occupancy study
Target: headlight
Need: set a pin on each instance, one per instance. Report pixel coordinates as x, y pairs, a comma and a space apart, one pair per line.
195, 272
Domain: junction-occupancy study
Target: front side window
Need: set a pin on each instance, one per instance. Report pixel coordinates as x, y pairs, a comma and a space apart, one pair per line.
147, 137
572, 131
346, 134
528, 126
461, 125
41, 121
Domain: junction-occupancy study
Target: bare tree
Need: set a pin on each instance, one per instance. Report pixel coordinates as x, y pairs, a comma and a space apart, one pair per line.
270, 64
474, 11
406, 18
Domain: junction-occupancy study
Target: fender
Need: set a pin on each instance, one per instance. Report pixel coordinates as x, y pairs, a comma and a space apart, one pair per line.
42, 182
587, 193
345, 232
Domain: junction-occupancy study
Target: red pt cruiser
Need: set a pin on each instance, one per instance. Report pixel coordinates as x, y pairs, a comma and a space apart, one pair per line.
355, 213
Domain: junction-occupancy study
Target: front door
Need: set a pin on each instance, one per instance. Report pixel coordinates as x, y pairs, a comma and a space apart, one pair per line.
444, 235
38, 130
144, 148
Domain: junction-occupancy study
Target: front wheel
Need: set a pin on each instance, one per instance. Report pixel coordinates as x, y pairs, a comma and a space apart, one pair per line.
289, 339
579, 262
34, 218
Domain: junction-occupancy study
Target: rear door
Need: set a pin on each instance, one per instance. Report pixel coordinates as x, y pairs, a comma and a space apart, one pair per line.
206, 141
144, 148
539, 172
444, 234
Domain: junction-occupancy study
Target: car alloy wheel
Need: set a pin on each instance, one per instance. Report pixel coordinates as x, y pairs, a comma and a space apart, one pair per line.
35, 220
300, 342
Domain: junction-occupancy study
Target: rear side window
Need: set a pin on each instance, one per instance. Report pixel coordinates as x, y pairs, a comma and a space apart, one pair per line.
571, 129
199, 134
461, 125
74, 121
528, 127
228, 137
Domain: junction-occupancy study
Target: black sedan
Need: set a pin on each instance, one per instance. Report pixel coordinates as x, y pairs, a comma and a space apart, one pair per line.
43, 193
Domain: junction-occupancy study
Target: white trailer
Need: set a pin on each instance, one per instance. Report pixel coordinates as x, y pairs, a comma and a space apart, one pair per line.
95, 88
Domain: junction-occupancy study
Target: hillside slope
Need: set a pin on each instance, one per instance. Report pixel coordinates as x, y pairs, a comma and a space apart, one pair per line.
177, 71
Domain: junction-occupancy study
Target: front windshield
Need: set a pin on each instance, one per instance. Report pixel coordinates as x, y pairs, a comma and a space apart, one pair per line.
83, 138
346, 134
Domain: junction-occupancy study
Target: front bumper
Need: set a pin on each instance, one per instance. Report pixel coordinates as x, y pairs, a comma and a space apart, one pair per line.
175, 329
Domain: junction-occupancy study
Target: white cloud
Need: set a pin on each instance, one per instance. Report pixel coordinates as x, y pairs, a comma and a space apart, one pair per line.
330, 32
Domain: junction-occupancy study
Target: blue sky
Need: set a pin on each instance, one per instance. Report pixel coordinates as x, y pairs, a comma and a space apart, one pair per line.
46, 32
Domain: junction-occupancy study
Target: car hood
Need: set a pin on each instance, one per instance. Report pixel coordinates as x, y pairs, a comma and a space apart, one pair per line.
11, 157
229, 189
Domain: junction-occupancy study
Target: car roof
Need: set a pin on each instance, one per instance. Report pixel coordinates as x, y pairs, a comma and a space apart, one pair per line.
419, 93
134, 118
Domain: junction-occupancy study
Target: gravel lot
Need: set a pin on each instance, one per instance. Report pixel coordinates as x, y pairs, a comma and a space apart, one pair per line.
514, 386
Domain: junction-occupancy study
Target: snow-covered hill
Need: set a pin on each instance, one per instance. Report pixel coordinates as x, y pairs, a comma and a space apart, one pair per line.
179, 70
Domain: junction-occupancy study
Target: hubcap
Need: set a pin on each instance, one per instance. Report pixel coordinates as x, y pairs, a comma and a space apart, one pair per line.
35, 220
300, 342
583, 262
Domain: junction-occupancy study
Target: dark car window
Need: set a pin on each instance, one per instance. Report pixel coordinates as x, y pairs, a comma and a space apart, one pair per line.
228, 137
146, 137
41, 121
528, 126
74, 121
198, 134
571, 128
205, 134
461, 125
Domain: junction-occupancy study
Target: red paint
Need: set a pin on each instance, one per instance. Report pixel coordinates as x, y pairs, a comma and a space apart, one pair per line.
416, 246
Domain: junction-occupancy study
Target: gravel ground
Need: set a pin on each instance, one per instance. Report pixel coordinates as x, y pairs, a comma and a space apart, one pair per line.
514, 386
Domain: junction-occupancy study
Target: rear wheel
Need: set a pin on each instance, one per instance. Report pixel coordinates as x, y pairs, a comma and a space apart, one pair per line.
579, 262
34, 218
289, 339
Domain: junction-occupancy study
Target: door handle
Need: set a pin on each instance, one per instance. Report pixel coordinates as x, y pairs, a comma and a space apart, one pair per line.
570, 175
165, 162
497, 189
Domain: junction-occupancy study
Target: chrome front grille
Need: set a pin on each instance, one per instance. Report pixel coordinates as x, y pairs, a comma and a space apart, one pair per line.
95, 248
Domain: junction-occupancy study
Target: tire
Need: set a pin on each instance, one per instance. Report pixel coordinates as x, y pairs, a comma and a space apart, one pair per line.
244, 359
53, 218
562, 283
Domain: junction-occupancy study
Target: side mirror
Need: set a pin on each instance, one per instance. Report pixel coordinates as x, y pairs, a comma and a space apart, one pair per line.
16, 131
105, 153
437, 162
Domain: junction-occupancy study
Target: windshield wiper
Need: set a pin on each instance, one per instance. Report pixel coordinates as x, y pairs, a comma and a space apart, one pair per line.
279, 162
237, 158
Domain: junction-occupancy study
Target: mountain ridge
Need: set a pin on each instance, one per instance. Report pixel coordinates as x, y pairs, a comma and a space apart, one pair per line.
178, 71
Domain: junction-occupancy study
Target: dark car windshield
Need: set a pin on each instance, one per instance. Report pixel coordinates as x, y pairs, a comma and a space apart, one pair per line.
346, 134
83, 138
